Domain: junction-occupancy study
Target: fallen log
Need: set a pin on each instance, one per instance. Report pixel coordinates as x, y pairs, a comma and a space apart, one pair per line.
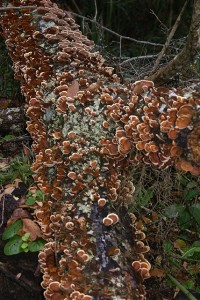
88, 129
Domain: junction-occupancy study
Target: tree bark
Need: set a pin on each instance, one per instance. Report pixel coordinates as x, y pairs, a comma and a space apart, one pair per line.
88, 129
182, 63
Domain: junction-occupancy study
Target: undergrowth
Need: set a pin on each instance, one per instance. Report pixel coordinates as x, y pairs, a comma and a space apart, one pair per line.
18, 168
168, 207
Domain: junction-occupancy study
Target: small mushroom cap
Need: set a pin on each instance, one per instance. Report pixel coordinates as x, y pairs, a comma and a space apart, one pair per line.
136, 265
101, 202
54, 286
107, 221
113, 217
69, 225
144, 273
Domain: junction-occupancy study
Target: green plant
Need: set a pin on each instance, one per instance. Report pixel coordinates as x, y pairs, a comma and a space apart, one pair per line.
17, 243
192, 252
7, 138
143, 196
19, 168
33, 197
186, 210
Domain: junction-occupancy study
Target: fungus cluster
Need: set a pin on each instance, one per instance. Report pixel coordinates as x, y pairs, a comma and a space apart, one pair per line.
87, 129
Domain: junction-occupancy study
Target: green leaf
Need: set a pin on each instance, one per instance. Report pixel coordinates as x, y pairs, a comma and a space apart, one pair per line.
189, 195
8, 137
39, 195
30, 201
196, 244
173, 210
25, 237
182, 179
192, 184
144, 196
189, 284
184, 220
13, 246
36, 245
12, 230
195, 212
24, 246
190, 252
167, 246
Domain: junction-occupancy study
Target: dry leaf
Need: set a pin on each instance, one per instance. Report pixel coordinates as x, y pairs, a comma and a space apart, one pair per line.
157, 272
27, 152
32, 228
18, 213
9, 190
146, 220
16, 182
4, 165
154, 216
179, 244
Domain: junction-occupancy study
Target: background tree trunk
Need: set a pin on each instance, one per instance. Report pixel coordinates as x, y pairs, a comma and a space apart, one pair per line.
183, 62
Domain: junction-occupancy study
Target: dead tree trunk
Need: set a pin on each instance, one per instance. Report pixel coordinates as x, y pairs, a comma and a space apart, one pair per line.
88, 129
182, 63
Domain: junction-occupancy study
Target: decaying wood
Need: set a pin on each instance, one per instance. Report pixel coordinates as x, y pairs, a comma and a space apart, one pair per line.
88, 129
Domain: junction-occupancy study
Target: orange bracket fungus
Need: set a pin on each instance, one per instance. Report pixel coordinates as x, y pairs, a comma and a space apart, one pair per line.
87, 130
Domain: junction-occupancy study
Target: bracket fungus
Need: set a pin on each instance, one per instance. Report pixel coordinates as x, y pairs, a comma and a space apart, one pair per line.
87, 129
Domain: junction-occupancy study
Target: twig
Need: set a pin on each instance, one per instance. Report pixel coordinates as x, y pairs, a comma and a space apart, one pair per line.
2, 212
170, 36
117, 34
96, 11
76, 6
120, 48
138, 57
182, 288
7, 8
161, 23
